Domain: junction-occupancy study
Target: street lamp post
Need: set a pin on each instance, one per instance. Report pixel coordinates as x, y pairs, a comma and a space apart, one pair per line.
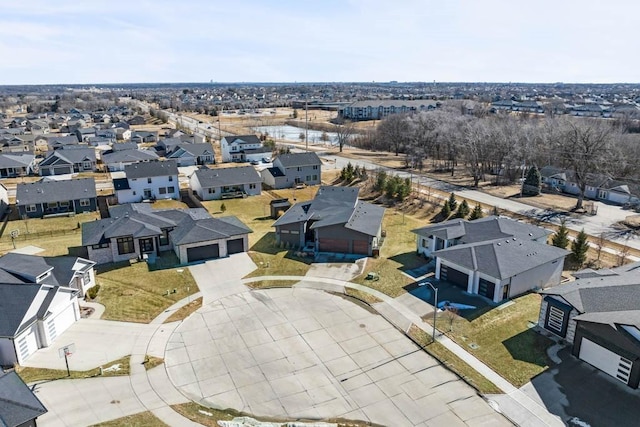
435, 307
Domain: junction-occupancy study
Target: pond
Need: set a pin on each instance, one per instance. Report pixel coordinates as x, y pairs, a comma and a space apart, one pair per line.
292, 133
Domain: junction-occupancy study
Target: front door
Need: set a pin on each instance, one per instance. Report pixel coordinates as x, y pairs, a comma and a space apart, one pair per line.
147, 193
146, 245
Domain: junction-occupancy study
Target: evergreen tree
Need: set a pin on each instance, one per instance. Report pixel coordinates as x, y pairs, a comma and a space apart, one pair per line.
532, 184
404, 189
579, 247
463, 210
223, 208
445, 212
560, 238
453, 204
476, 213
381, 181
392, 186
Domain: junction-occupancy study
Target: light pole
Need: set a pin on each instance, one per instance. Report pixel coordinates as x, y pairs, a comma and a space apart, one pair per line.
435, 306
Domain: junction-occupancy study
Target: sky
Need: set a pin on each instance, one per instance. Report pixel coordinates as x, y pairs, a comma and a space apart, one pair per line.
152, 41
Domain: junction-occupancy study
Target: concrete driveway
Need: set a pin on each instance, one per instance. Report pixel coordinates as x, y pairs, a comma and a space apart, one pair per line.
337, 270
301, 353
219, 278
97, 342
86, 402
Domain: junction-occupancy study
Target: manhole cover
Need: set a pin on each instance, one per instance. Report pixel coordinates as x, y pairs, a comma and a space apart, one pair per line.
474, 346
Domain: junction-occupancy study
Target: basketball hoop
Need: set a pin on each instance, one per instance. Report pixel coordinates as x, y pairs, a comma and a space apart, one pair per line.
66, 352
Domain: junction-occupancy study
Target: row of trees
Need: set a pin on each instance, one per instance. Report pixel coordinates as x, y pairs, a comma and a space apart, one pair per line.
460, 210
503, 146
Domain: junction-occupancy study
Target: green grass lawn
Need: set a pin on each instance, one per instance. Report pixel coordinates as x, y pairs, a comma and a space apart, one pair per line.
504, 339
30, 375
143, 419
398, 253
133, 293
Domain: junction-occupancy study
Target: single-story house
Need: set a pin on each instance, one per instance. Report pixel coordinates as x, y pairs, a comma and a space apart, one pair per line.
55, 142
67, 161
290, 170
140, 136
495, 257
20, 407
599, 315
148, 180
221, 183
16, 164
138, 231
83, 134
37, 199
192, 154
116, 160
4, 200
334, 221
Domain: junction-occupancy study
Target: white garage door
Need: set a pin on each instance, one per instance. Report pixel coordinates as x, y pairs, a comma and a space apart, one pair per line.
26, 344
57, 325
605, 360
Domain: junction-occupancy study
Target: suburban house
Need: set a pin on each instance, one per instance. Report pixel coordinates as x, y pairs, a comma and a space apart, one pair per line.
56, 142
16, 144
233, 147
148, 181
599, 315
16, 164
83, 134
290, 170
334, 221
67, 161
379, 109
117, 159
138, 231
38, 199
598, 187
4, 200
68, 271
495, 257
137, 120
20, 407
222, 183
186, 154
140, 136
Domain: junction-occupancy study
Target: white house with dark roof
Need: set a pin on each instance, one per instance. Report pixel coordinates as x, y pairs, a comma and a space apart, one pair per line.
186, 154
138, 231
152, 180
334, 221
599, 314
495, 257
233, 148
290, 170
38, 199
223, 183
67, 161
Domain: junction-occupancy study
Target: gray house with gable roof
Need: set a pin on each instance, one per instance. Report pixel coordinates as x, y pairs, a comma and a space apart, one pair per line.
599, 314
334, 221
67, 161
16, 164
495, 257
152, 180
222, 183
290, 170
37, 199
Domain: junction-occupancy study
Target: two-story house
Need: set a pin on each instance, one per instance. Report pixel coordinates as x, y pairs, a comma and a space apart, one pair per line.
233, 147
186, 154
148, 181
221, 183
290, 170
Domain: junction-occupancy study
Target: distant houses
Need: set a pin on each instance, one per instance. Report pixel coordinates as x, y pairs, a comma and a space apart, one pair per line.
379, 109
291, 170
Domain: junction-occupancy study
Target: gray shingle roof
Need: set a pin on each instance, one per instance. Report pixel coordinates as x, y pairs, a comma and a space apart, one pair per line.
18, 404
299, 159
151, 169
55, 191
16, 160
194, 150
218, 177
23, 267
128, 156
15, 301
69, 156
482, 230
242, 139
192, 231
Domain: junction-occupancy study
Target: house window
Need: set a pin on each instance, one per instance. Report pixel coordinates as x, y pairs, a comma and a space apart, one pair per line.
85, 202
52, 205
171, 189
299, 168
164, 237
31, 208
315, 177
424, 243
162, 190
148, 180
134, 192
125, 245
308, 177
211, 190
100, 245
146, 245
252, 186
86, 165
556, 319
315, 167
170, 178
64, 204
86, 278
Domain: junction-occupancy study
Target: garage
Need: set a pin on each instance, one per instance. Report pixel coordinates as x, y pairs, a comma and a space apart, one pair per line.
235, 246
57, 325
361, 247
200, 253
27, 344
605, 360
454, 276
486, 288
333, 245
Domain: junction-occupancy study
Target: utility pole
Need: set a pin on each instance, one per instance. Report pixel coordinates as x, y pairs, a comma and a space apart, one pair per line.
524, 166
306, 127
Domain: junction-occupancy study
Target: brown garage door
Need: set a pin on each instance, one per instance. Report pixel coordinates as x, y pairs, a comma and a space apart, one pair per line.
333, 245
454, 276
361, 247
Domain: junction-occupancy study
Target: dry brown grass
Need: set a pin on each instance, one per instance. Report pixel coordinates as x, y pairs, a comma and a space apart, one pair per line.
185, 311
143, 419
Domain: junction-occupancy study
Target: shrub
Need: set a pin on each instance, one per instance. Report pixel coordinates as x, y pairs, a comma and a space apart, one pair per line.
92, 292
561, 238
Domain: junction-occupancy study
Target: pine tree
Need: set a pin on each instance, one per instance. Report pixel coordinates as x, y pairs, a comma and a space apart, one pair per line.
579, 248
532, 184
463, 210
404, 189
381, 181
223, 208
445, 212
453, 204
476, 213
560, 239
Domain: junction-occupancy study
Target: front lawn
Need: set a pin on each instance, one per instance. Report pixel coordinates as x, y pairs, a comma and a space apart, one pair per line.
30, 375
133, 293
504, 339
142, 419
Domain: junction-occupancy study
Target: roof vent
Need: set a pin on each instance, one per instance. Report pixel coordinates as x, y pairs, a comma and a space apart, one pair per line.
498, 243
530, 234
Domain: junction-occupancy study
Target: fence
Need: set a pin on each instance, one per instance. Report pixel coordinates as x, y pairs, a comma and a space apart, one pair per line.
38, 235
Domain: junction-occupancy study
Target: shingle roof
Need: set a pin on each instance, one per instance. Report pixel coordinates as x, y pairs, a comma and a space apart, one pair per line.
69, 156
18, 404
193, 149
55, 191
482, 230
15, 160
242, 139
196, 231
299, 159
218, 177
128, 156
15, 301
23, 267
151, 169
